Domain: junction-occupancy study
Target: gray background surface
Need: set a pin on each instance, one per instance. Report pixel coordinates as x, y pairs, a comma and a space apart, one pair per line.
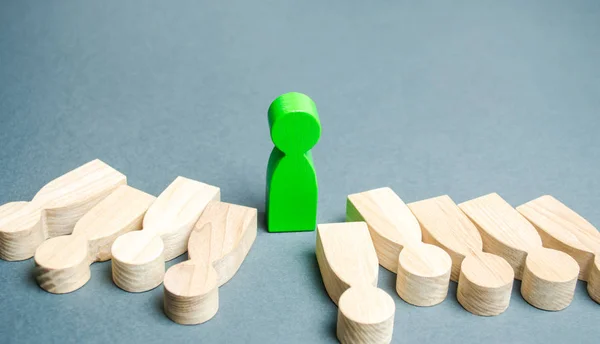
427, 97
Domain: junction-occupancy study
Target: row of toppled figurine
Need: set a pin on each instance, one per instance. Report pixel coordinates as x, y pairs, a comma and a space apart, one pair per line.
483, 244
90, 214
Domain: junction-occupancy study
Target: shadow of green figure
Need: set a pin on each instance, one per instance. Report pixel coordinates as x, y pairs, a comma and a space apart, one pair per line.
292, 190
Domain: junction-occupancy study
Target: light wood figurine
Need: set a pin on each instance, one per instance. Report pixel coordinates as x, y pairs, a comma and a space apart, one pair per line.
548, 276
423, 269
484, 280
63, 263
55, 209
218, 245
138, 258
391, 224
563, 229
349, 269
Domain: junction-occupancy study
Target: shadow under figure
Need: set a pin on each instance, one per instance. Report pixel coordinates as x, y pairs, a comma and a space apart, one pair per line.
292, 189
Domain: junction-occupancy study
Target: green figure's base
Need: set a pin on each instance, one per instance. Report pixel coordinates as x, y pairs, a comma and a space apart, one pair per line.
286, 230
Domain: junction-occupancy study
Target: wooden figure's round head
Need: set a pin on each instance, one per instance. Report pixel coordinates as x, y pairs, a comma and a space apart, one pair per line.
485, 284
191, 294
294, 123
138, 261
549, 279
21, 230
365, 315
62, 264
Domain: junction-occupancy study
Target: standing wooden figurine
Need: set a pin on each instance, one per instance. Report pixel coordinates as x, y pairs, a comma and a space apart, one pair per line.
292, 190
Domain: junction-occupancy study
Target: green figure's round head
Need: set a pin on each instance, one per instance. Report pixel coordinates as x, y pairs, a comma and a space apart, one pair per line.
294, 123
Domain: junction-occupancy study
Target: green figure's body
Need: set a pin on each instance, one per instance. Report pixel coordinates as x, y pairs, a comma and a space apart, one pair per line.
292, 189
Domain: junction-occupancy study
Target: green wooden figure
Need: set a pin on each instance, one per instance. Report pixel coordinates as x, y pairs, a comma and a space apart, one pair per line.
292, 190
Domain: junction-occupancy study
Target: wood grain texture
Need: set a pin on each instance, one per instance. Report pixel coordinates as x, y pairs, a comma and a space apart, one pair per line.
138, 262
593, 286
223, 236
346, 257
55, 209
177, 210
508, 234
191, 294
563, 229
139, 257
365, 315
549, 279
218, 245
423, 274
394, 228
445, 225
391, 224
485, 284
504, 231
484, 280
63, 263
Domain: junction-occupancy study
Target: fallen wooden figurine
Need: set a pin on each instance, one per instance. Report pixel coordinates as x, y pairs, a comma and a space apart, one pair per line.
138, 258
55, 209
548, 276
391, 224
423, 269
349, 268
563, 229
218, 245
63, 263
484, 280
